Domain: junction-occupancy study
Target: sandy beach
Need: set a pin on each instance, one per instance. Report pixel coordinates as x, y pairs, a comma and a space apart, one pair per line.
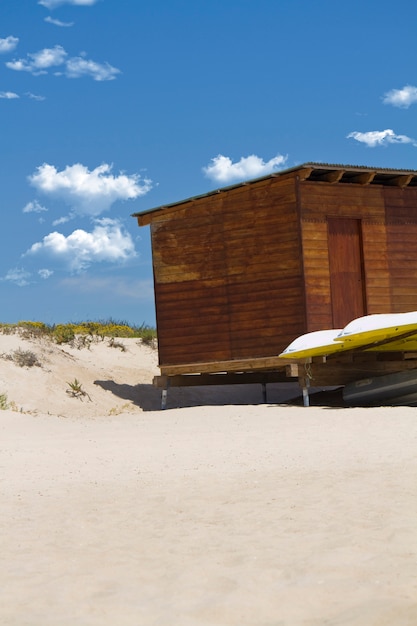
220, 511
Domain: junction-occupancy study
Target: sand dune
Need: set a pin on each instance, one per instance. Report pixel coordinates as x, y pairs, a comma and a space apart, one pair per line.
220, 512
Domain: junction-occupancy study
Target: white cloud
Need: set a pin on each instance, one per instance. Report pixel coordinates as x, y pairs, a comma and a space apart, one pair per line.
223, 170
48, 57
77, 67
53, 4
401, 98
34, 207
8, 95
62, 220
107, 242
51, 20
34, 96
8, 44
44, 273
18, 276
39, 62
88, 192
375, 138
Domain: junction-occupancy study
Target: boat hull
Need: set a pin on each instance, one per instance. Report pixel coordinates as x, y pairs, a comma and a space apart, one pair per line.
399, 389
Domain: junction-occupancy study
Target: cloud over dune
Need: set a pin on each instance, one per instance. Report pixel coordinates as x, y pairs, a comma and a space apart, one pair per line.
88, 192
18, 276
107, 242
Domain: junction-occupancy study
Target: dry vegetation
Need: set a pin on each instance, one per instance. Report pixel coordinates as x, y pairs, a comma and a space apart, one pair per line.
80, 335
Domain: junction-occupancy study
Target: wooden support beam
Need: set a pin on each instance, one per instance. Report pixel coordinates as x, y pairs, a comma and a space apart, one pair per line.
402, 180
194, 380
333, 177
304, 173
270, 363
365, 178
292, 370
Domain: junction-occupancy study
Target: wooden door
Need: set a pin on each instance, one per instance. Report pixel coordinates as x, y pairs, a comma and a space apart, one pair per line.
347, 281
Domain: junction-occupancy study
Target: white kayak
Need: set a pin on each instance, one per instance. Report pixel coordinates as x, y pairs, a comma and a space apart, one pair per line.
378, 332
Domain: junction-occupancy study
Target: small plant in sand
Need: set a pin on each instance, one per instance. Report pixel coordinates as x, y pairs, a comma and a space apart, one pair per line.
4, 405
117, 410
113, 343
82, 341
76, 390
148, 336
24, 358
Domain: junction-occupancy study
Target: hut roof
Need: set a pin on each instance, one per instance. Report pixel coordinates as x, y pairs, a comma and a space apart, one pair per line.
325, 172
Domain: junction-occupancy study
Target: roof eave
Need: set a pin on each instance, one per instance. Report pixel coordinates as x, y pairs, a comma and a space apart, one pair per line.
145, 217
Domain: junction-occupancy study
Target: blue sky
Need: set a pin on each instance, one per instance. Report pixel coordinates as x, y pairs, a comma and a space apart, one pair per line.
109, 107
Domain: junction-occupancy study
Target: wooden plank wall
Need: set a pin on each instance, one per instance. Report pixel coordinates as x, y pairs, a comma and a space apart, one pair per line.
401, 212
191, 283
266, 297
228, 275
377, 274
318, 200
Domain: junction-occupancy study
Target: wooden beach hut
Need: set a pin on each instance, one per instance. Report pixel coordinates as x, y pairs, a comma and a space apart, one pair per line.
241, 271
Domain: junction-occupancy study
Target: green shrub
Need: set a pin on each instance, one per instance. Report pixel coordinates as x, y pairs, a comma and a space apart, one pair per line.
31, 330
63, 333
37, 326
148, 335
116, 328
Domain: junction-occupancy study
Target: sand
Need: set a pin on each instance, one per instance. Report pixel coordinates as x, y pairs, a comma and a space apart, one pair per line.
223, 511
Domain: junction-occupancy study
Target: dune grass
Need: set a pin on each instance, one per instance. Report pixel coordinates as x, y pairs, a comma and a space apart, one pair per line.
67, 333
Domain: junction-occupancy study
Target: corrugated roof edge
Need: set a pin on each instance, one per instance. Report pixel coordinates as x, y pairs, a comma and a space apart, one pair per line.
314, 165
